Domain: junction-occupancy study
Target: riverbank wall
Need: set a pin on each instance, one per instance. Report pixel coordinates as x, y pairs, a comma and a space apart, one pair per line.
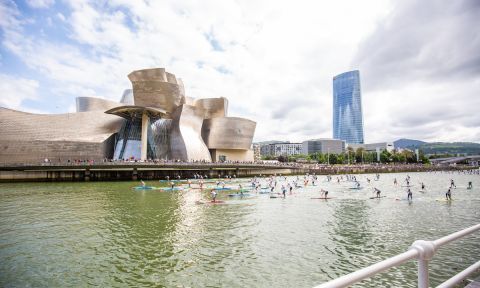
146, 171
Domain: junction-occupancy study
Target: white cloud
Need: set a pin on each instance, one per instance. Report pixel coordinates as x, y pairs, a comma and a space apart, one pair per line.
274, 63
40, 3
61, 17
15, 90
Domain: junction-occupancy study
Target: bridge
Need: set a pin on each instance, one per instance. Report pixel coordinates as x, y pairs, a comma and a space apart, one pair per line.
455, 160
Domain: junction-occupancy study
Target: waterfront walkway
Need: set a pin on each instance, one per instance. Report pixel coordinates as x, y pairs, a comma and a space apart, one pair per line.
150, 170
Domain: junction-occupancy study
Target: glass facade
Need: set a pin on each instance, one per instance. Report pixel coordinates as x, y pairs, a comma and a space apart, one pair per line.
347, 108
129, 144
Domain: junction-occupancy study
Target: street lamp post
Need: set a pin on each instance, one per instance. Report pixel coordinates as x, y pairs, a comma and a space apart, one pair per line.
328, 156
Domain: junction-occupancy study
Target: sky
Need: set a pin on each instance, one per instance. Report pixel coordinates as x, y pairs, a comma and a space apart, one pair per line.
419, 61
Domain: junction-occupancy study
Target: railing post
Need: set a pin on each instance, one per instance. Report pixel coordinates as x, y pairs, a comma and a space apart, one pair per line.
426, 250
423, 280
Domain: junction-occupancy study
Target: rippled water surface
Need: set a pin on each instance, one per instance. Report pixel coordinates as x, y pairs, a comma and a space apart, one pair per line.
107, 234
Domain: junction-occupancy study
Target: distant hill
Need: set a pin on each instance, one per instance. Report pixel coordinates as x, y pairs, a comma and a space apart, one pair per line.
453, 148
408, 143
469, 148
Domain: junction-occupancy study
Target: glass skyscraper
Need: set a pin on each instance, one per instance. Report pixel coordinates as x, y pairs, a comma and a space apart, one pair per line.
347, 108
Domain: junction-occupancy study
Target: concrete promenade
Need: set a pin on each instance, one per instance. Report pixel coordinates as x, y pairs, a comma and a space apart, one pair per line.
115, 171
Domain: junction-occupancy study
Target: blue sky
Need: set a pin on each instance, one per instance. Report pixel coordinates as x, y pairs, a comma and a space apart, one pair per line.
418, 60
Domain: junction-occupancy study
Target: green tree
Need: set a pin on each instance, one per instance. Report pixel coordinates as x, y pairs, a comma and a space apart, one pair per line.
359, 155
333, 158
385, 156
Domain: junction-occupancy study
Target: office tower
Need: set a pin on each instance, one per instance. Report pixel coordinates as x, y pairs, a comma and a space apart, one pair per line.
347, 108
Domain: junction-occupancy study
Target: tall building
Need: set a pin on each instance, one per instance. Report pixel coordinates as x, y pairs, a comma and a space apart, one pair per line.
281, 149
347, 108
323, 146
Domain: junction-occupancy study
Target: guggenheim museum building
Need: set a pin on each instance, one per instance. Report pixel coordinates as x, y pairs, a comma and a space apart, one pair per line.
153, 120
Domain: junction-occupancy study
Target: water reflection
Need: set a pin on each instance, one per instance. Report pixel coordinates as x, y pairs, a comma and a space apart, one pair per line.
352, 236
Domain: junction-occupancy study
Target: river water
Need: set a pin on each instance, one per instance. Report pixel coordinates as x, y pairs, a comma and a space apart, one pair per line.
107, 234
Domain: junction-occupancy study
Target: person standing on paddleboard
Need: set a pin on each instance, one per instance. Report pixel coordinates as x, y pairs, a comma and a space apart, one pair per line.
214, 195
409, 195
378, 192
448, 195
324, 193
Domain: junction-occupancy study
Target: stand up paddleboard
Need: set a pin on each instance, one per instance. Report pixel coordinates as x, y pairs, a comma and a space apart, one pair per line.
240, 195
144, 188
173, 189
377, 197
322, 198
222, 188
444, 200
407, 186
217, 202
356, 188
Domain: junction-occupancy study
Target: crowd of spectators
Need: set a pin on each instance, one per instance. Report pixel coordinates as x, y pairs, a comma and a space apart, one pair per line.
319, 168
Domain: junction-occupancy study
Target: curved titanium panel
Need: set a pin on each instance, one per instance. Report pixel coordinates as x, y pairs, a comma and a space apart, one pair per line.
212, 107
228, 133
94, 104
151, 87
90, 126
132, 111
185, 139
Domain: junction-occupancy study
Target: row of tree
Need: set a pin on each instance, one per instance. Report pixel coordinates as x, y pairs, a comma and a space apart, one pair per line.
351, 156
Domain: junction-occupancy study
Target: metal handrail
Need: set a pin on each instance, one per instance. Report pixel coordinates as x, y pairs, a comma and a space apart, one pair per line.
420, 249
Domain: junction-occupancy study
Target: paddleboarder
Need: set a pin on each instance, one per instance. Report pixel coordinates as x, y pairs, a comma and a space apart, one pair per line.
409, 194
448, 195
377, 191
452, 184
143, 183
324, 193
470, 185
214, 195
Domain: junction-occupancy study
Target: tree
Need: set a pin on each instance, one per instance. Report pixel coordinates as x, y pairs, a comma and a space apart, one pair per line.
282, 158
333, 158
359, 154
385, 156
350, 154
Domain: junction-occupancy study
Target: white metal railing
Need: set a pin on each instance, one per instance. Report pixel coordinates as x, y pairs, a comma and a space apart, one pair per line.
420, 249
